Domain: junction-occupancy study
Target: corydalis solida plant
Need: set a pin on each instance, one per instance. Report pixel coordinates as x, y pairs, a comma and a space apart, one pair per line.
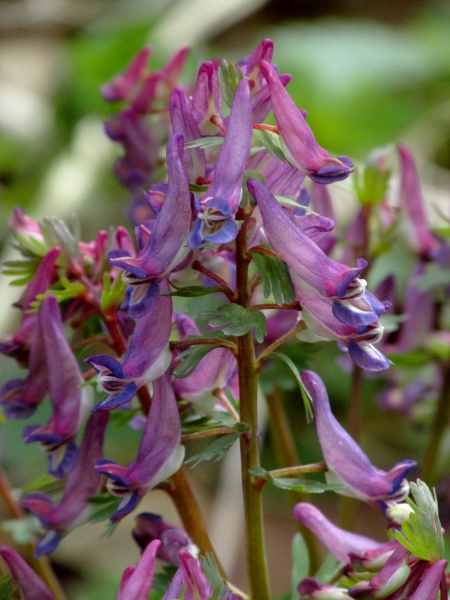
233, 195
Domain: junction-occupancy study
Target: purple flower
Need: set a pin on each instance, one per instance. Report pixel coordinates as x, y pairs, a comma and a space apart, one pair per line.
206, 99
346, 462
190, 575
70, 401
214, 371
338, 541
19, 345
137, 580
151, 527
159, 456
216, 208
167, 246
412, 199
327, 277
311, 589
298, 141
194, 162
31, 585
146, 359
429, 585
392, 576
121, 86
82, 483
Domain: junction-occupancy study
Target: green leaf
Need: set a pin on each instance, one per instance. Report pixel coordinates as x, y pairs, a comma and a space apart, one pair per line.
228, 81
23, 531
392, 322
56, 231
43, 483
329, 569
205, 142
307, 400
271, 142
190, 359
300, 560
275, 277
246, 196
216, 450
305, 486
119, 419
112, 295
421, 533
63, 290
371, 184
236, 320
106, 511
411, 360
7, 587
193, 291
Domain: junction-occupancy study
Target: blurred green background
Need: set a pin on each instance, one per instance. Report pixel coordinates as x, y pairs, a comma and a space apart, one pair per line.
369, 75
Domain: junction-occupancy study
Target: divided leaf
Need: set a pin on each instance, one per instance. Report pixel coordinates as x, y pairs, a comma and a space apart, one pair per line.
236, 320
271, 142
216, 450
275, 277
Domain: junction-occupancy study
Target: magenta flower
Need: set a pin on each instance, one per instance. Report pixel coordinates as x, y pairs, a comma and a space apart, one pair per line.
190, 574
71, 400
338, 541
159, 456
430, 583
311, 589
346, 462
121, 85
206, 100
31, 585
137, 580
167, 246
298, 141
146, 359
216, 208
81, 485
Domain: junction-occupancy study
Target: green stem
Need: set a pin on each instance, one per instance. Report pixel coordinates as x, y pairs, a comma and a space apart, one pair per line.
286, 454
438, 428
248, 387
199, 435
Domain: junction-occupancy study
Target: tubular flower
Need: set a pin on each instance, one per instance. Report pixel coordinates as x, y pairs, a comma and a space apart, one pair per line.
327, 277
346, 462
311, 589
338, 541
159, 456
151, 527
82, 483
194, 162
298, 141
213, 371
146, 359
31, 585
216, 208
70, 401
137, 580
206, 100
167, 246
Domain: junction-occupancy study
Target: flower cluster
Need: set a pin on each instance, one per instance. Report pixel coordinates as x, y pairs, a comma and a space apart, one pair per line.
230, 220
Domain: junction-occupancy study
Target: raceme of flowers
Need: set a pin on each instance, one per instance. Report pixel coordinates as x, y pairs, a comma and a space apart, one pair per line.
236, 191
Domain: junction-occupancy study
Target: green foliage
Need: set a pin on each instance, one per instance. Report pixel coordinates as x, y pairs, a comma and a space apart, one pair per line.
190, 359
275, 277
229, 80
22, 270
307, 401
43, 483
106, 505
300, 562
236, 320
194, 291
371, 184
113, 294
63, 290
7, 587
305, 486
205, 142
56, 231
216, 450
329, 569
271, 142
421, 533
218, 583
